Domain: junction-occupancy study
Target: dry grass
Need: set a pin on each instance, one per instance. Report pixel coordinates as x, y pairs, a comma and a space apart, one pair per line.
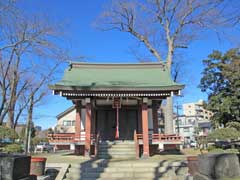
192, 152
233, 178
62, 157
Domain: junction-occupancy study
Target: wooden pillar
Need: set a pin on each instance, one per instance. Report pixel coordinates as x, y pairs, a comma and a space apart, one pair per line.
78, 122
155, 117
145, 130
139, 121
88, 128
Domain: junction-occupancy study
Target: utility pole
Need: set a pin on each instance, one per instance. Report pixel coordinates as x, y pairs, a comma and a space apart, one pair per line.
29, 138
28, 126
178, 107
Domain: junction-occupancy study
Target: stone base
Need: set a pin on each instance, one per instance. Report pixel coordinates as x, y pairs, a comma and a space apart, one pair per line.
46, 177
198, 176
31, 177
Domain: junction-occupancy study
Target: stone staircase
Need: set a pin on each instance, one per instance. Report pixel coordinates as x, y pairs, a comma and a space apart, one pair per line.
124, 170
117, 161
116, 150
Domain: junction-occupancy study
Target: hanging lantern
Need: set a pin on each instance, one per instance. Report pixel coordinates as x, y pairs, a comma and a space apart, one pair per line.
117, 105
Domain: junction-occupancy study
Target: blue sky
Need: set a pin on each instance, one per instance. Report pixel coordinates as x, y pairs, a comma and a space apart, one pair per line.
111, 46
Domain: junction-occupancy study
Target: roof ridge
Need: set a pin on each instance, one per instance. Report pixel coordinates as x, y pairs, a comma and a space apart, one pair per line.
112, 63
116, 65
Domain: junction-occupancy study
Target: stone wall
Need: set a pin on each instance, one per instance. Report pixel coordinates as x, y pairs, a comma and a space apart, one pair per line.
217, 166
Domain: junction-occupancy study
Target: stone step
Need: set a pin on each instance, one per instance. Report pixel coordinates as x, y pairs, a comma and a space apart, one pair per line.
116, 152
120, 169
116, 156
137, 174
160, 178
128, 169
155, 178
116, 147
126, 175
117, 178
117, 142
128, 163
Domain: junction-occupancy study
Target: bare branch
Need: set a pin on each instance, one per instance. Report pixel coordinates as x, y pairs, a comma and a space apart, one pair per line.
23, 36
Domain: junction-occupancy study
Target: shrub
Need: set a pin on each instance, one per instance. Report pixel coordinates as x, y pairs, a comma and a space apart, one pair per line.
7, 133
232, 151
235, 125
217, 150
211, 147
224, 134
13, 148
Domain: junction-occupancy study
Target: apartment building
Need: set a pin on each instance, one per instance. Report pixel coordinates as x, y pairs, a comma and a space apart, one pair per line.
194, 121
197, 109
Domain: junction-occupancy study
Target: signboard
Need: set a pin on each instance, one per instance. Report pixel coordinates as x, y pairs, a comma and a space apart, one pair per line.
116, 103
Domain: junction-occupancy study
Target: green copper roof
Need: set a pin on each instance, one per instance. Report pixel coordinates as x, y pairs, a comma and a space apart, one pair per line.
114, 76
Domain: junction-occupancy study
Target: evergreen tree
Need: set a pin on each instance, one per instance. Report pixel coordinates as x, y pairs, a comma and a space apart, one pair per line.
221, 81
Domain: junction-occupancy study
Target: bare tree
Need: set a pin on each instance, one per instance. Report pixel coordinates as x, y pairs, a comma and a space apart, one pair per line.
165, 26
35, 93
29, 48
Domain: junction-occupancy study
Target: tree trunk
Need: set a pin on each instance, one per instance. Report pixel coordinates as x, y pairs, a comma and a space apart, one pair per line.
10, 122
13, 97
168, 124
169, 129
3, 106
28, 125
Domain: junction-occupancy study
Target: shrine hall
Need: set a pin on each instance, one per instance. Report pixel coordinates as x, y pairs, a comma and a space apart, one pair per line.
117, 103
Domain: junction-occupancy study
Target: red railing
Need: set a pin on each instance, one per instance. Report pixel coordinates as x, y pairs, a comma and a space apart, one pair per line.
165, 138
68, 138
61, 137
160, 137
155, 138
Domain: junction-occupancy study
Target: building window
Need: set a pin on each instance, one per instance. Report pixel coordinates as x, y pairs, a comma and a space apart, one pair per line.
73, 123
68, 123
191, 121
186, 130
